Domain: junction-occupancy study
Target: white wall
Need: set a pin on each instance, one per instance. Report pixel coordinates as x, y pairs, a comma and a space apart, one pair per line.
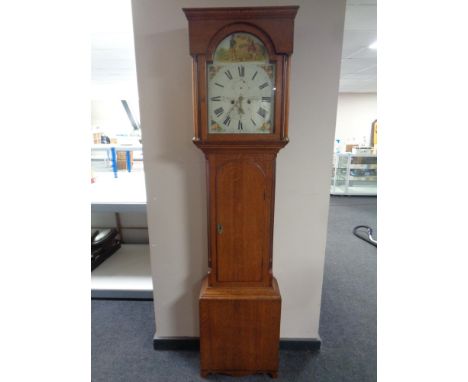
354, 117
175, 172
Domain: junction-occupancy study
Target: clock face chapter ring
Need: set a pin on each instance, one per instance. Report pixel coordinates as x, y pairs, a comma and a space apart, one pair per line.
241, 98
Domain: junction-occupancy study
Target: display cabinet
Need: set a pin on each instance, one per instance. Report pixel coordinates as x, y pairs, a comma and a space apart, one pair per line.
354, 174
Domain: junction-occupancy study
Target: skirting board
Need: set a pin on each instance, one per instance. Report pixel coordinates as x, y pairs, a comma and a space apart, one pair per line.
193, 343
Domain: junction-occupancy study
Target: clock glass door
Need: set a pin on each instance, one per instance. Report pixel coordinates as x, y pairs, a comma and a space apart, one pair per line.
241, 87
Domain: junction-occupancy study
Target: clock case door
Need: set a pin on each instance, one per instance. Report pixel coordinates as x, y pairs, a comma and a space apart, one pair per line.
241, 205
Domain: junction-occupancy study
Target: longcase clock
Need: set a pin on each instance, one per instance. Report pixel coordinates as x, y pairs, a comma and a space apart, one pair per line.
241, 66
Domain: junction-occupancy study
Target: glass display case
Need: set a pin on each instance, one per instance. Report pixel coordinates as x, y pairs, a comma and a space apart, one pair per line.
354, 174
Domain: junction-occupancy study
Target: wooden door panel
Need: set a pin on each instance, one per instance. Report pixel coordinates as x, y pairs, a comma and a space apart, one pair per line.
241, 221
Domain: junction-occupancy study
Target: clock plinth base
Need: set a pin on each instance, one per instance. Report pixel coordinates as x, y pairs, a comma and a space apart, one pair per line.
239, 330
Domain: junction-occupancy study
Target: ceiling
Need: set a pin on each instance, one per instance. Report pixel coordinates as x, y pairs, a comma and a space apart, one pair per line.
113, 70
358, 62
113, 57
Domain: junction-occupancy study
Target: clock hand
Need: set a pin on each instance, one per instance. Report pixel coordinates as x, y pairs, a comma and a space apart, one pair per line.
232, 102
230, 110
235, 105
239, 107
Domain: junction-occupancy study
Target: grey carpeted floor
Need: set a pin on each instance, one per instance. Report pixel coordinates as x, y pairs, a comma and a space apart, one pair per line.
122, 331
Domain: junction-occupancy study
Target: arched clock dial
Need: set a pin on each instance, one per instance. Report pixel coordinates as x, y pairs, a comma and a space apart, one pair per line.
241, 93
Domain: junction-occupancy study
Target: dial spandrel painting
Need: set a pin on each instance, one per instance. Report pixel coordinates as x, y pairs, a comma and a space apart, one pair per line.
241, 87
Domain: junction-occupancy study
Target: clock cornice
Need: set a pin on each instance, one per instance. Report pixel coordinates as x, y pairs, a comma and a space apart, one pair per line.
237, 13
276, 21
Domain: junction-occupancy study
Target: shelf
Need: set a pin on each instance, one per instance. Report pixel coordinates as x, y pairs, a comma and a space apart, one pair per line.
118, 207
126, 274
369, 178
356, 155
353, 190
361, 166
127, 191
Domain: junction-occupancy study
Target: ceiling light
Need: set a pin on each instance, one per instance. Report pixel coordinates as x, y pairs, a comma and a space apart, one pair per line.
373, 45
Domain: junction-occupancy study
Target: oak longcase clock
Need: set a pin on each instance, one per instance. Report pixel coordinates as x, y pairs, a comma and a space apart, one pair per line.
241, 66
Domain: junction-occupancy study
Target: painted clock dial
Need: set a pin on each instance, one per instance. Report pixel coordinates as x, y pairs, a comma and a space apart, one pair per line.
241, 87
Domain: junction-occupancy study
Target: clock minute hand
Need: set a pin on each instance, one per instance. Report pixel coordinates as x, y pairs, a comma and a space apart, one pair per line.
239, 106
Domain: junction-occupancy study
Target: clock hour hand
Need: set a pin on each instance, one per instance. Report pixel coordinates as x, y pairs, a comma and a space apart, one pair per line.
231, 109
239, 106
236, 104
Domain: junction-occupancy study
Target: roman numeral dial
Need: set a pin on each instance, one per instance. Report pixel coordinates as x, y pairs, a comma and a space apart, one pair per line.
241, 97
219, 111
261, 112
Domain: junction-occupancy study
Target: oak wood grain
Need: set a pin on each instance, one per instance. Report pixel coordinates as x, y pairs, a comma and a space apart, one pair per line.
241, 221
239, 330
277, 22
241, 189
